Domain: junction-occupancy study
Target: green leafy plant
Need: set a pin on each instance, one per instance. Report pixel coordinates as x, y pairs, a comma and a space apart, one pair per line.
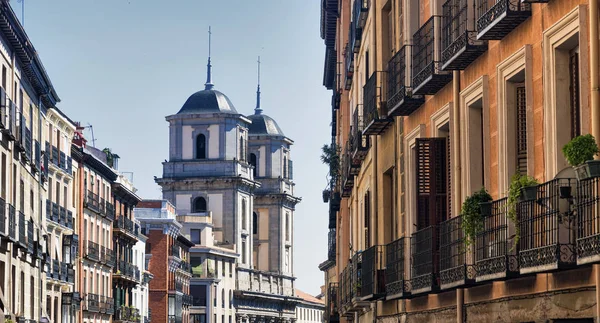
580, 149
331, 156
472, 219
517, 182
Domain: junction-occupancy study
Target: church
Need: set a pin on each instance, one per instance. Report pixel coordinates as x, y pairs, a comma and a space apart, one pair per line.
230, 177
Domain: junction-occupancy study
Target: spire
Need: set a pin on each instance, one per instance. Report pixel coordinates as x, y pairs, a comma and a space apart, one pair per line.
208, 85
258, 110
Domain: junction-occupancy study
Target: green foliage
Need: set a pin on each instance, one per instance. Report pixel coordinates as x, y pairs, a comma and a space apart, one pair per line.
580, 149
517, 182
331, 156
472, 219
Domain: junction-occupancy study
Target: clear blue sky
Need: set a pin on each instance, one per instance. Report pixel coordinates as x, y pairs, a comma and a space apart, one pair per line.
123, 65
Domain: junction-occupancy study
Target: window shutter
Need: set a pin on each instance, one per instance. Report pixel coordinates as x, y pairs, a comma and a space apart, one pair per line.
574, 94
521, 130
449, 180
432, 181
367, 211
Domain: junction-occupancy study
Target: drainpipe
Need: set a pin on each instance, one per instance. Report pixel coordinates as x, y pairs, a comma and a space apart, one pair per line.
456, 174
460, 302
597, 278
594, 84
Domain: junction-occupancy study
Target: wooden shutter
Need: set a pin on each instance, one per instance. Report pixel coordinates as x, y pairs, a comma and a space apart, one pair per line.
367, 211
449, 180
432, 181
521, 130
574, 94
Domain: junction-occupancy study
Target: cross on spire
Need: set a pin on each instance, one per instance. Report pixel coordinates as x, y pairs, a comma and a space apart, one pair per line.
209, 85
258, 110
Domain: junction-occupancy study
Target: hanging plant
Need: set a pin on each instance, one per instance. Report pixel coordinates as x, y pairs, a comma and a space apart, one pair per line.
515, 193
331, 156
472, 217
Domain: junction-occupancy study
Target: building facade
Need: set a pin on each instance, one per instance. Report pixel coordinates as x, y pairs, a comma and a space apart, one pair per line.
433, 100
310, 309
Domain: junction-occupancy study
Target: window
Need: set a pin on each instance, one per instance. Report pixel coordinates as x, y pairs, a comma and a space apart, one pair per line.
201, 147
223, 298
244, 220
230, 269
230, 297
22, 192
287, 226
199, 205
574, 92
242, 148
284, 167
254, 223
521, 122
244, 252
431, 171
367, 214
253, 163
4, 78
195, 236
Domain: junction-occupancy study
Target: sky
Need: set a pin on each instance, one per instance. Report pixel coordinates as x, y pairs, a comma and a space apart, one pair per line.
123, 65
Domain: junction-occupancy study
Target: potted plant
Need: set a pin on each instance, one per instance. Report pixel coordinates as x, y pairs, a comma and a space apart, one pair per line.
325, 195
522, 188
473, 214
579, 153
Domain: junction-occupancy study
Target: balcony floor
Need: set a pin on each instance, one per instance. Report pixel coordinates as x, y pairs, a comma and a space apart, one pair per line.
432, 84
404, 105
462, 52
457, 276
547, 258
377, 126
502, 25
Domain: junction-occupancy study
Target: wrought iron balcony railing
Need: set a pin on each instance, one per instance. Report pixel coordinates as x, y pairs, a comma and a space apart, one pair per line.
3, 218
588, 221
400, 99
92, 201
425, 260
374, 114
460, 46
349, 64
27, 144
373, 273
547, 227
347, 175
93, 251
497, 18
126, 224
110, 305
428, 76
331, 313
359, 143
360, 11
22, 229
331, 248
92, 303
30, 237
12, 222
495, 255
110, 211
127, 270
396, 285
456, 263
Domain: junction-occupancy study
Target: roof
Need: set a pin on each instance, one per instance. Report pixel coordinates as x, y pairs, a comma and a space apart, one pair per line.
262, 124
208, 101
309, 298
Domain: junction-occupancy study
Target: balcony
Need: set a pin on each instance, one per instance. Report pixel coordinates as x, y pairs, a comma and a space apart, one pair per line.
107, 257
331, 313
425, 256
350, 287
3, 218
187, 300
359, 20
347, 176
250, 281
9, 118
359, 143
12, 223
396, 285
22, 243
547, 226
400, 99
428, 76
92, 251
456, 264
92, 202
375, 115
110, 211
127, 314
30, 240
127, 272
373, 274
588, 219
55, 269
126, 227
110, 305
497, 18
92, 303
331, 249
349, 66
460, 46
495, 257
27, 144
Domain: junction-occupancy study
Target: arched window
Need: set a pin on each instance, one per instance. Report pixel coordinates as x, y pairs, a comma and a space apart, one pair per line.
199, 205
201, 147
284, 167
242, 149
253, 163
244, 220
254, 223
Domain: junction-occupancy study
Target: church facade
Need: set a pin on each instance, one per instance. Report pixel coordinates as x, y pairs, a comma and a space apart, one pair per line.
230, 178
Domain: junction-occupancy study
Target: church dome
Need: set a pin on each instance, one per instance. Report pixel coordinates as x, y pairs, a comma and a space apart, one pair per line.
263, 125
208, 101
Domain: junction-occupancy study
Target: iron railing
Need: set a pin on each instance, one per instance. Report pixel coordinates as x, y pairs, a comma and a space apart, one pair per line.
425, 259
456, 263
460, 46
547, 228
395, 284
349, 63
400, 99
497, 18
93, 251
126, 224
373, 273
3, 218
12, 223
92, 302
495, 254
331, 313
92, 201
331, 247
22, 229
588, 220
427, 75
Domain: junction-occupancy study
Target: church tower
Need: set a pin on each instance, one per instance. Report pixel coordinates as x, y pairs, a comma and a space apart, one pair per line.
208, 173
274, 201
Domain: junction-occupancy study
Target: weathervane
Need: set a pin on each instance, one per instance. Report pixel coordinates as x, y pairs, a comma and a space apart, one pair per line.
258, 110
209, 85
